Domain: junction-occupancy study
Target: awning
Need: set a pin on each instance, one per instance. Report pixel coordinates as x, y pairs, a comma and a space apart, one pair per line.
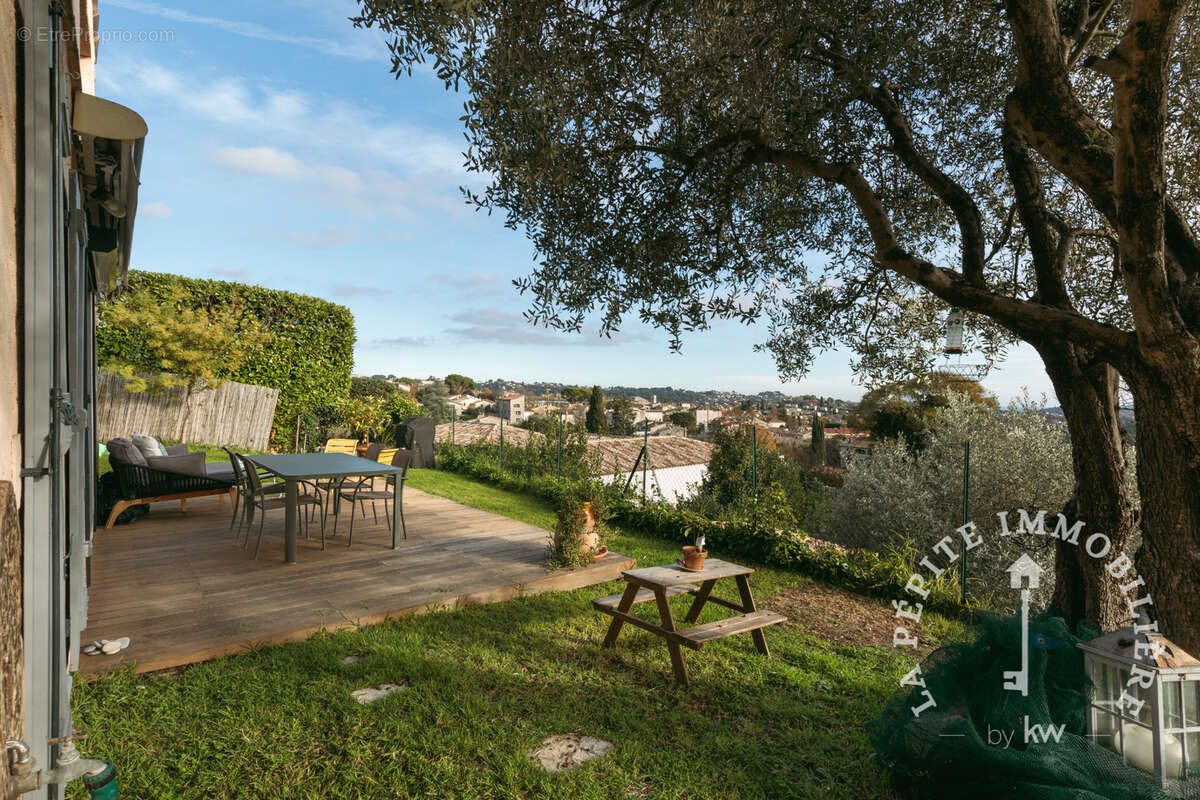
110, 138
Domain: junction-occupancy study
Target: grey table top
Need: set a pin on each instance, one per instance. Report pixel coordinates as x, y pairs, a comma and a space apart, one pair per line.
305, 466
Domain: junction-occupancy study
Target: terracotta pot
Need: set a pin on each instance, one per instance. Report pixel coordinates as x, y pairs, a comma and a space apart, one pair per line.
600, 554
589, 539
361, 449
693, 557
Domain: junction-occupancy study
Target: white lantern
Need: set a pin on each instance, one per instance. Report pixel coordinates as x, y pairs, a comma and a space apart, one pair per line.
1146, 703
954, 333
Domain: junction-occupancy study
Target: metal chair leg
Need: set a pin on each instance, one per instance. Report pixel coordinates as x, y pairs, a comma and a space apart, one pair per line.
322, 526
400, 510
261, 521
236, 497
241, 517
350, 536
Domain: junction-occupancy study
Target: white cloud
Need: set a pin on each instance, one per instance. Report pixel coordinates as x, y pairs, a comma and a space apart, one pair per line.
292, 116
476, 283
363, 46
327, 237
368, 192
497, 327
154, 211
260, 161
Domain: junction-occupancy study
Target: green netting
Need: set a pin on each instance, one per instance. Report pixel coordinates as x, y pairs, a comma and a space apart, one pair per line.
945, 752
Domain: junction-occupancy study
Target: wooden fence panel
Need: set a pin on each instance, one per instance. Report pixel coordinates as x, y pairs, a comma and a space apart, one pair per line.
233, 414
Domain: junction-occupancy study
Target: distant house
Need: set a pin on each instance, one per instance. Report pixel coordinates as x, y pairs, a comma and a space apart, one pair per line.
461, 402
511, 407
706, 415
648, 414
857, 446
677, 464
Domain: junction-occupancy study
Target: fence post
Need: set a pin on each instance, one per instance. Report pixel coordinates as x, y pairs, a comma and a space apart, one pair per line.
645, 458
754, 456
502, 444
560, 438
966, 498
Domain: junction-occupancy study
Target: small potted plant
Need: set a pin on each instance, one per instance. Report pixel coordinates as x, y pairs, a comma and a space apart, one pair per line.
579, 536
694, 555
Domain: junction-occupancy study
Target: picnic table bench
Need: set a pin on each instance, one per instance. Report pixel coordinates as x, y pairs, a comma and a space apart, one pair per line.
661, 583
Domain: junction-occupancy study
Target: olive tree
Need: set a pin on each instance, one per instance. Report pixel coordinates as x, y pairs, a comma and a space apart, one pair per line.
849, 170
1019, 459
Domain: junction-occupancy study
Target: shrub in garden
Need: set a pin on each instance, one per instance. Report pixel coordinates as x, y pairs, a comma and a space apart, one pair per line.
1019, 459
372, 387
729, 483
538, 457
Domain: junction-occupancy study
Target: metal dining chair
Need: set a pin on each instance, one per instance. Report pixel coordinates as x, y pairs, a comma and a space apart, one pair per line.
242, 498
363, 490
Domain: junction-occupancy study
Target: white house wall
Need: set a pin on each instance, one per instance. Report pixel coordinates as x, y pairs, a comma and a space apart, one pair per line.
674, 483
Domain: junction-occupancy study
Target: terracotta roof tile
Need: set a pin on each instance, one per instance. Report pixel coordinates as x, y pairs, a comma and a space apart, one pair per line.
619, 453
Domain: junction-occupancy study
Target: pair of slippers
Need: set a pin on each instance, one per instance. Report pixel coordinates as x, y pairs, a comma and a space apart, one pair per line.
106, 646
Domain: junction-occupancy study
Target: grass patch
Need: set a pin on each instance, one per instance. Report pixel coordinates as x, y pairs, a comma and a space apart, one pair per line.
485, 686
467, 491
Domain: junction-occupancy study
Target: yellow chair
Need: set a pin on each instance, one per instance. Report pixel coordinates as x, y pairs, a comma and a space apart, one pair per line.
345, 446
385, 456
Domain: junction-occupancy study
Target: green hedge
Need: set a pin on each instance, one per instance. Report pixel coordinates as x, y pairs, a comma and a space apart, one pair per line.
743, 536
308, 358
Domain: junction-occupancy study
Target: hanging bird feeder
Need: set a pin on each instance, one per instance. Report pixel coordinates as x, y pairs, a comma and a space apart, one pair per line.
954, 333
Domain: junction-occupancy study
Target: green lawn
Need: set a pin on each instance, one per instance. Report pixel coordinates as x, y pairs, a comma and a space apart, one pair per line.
485, 686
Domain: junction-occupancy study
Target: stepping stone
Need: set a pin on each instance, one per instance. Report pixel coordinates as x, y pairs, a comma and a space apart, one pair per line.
373, 693
351, 659
565, 752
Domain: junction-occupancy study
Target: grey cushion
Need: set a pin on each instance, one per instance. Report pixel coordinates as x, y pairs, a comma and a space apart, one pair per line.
148, 445
122, 451
219, 469
176, 449
191, 464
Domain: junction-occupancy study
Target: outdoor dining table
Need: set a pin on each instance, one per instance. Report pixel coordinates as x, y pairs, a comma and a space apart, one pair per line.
295, 467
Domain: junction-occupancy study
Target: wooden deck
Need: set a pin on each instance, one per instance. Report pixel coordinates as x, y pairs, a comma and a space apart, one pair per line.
178, 585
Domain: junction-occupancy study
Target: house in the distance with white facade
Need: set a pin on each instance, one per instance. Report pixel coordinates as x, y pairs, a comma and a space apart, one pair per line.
676, 468
461, 402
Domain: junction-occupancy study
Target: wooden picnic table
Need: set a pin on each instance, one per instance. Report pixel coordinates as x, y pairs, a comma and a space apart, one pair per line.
661, 583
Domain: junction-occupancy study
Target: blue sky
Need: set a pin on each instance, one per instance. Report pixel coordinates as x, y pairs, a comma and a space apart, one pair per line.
282, 152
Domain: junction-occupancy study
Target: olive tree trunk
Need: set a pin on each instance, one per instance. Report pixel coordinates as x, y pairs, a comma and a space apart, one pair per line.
1087, 390
1166, 391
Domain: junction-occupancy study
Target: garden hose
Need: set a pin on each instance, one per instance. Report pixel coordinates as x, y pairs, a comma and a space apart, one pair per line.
103, 785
